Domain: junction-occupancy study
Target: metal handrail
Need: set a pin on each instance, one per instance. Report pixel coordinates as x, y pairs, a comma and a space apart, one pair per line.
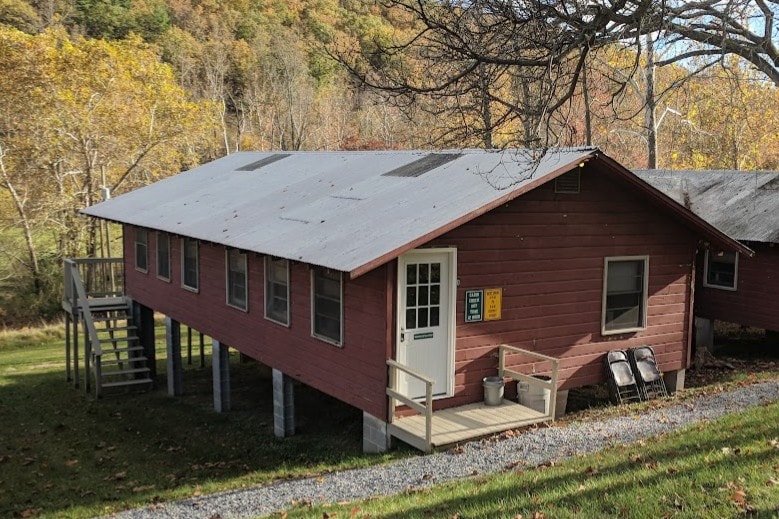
426, 409
503, 371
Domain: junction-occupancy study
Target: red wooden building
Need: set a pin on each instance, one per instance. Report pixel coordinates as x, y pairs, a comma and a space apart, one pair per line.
386, 278
732, 287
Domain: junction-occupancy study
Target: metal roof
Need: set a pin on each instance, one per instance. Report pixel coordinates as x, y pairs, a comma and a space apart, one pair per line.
342, 210
742, 204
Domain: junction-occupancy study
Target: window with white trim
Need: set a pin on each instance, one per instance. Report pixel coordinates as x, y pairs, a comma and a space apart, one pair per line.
277, 290
720, 270
625, 288
189, 264
237, 286
141, 250
327, 305
163, 256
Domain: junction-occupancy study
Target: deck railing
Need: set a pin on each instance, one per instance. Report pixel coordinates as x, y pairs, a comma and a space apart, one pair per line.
530, 380
425, 409
100, 277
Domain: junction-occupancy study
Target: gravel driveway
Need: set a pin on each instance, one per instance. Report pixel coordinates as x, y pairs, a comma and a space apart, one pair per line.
529, 449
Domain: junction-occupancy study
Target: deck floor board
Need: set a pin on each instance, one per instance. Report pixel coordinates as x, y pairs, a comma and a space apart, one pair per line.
469, 422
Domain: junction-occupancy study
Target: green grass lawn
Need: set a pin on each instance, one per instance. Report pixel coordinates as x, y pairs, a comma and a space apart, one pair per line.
726, 468
63, 454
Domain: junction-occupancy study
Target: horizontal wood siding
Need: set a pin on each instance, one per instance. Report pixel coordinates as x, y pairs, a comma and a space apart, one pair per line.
355, 373
546, 251
755, 302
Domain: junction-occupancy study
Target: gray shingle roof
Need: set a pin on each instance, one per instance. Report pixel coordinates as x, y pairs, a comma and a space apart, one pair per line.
744, 205
334, 209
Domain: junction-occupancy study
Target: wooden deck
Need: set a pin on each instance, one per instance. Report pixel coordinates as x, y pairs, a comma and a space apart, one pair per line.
465, 423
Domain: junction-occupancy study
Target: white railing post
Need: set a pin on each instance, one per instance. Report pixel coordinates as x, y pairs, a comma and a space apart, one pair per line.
425, 409
503, 349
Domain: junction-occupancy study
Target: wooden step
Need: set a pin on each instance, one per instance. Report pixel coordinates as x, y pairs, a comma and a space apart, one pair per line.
102, 319
125, 338
117, 329
128, 360
121, 383
125, 372
109, 351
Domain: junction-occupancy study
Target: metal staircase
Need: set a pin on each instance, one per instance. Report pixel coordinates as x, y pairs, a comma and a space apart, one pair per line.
114, 358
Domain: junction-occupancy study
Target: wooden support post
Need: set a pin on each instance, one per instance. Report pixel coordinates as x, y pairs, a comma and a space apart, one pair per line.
189, 346
87, 355
175, 369
75, 351
67, 347
202, 352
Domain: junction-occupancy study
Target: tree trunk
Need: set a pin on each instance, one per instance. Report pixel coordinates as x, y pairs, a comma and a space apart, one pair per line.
650, 105
32, 252
587, 108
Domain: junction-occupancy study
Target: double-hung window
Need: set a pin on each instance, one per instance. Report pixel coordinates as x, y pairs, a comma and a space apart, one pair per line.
327, 305
237, 291
625, 288
141, 250
277, 290
720, 270
189, 264
163, 256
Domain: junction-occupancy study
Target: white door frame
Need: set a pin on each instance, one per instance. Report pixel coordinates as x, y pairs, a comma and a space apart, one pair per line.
451, 253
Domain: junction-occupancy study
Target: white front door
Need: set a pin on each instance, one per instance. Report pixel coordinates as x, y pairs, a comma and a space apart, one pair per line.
425, 334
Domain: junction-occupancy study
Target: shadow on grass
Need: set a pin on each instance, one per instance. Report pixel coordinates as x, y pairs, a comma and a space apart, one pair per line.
695, 475
64, 454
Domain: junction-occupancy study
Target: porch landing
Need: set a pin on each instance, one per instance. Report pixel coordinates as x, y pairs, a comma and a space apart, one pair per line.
468, 422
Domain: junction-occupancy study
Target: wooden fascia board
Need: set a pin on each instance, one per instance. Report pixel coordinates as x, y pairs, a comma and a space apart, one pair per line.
688, 217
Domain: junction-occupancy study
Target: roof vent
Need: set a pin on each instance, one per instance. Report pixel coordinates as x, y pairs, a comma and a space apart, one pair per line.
568, 183
421, 166
771, 184
254, 166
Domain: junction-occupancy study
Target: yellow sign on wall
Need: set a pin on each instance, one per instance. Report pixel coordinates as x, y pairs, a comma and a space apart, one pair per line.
493, 301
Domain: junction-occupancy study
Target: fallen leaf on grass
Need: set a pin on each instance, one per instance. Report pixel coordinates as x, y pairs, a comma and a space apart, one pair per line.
142, 488
71, 463
29, 512
116, 477
354, 512
772, 482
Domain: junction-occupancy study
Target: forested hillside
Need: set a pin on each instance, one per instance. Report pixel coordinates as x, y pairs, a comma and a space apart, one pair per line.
118, 93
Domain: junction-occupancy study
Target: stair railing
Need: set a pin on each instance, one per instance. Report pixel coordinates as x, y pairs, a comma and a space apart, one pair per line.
93, 350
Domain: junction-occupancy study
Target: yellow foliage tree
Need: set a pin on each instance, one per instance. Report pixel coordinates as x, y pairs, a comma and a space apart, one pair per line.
79, 115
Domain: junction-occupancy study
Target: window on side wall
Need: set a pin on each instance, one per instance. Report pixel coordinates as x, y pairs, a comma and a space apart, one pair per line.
237, 292
625, 288
163, 256
277, 290
326, 305
141, 250
721, 270
189, 264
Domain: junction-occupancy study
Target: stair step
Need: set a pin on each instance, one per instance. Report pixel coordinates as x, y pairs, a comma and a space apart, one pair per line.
117, 329
109, 340
109, 351
125, 372
121, 383
129, 360
103, 318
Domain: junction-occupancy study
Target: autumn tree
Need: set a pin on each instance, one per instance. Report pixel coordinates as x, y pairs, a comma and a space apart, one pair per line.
79, 115
543, 46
